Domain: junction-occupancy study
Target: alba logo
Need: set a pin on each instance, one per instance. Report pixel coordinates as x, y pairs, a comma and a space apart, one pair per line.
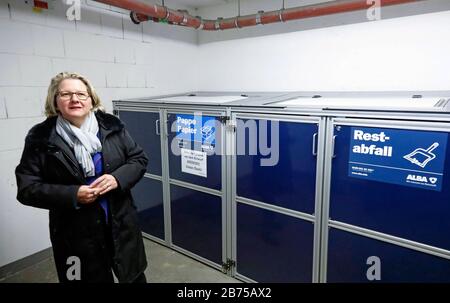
418, 178
433, 180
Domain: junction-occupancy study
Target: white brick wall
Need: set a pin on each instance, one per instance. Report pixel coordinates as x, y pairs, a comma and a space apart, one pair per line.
112, 25
116, 75
9, 70
124, 51
18, 220
87, 46
35, 71
93, 70
144, 53
24, 102
47, 41
16, 37
136, 76
13, 132
90, 21
105, 47
2, 107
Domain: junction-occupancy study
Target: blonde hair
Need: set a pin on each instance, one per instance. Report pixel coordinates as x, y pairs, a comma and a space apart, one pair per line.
50, 104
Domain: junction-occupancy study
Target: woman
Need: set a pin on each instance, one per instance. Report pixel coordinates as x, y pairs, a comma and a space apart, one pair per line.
80, 163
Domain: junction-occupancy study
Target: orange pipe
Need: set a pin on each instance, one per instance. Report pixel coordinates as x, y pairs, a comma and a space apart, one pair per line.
143, 12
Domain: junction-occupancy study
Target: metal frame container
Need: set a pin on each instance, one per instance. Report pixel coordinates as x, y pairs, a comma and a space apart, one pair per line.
405, 111
208, 104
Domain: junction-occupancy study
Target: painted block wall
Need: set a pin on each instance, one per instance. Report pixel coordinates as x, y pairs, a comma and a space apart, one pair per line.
121, 59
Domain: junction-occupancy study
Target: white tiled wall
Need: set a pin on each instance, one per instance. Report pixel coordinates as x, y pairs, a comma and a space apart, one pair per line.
10, 71
23, 230
116, 55
2, 108
23, 102
35, 70
47, 41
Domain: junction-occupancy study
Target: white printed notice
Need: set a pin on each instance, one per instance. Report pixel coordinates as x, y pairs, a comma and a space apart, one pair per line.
193, 162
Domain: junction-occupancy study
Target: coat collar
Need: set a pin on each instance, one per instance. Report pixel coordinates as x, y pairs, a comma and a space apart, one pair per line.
108, 122
44, 136
45, 132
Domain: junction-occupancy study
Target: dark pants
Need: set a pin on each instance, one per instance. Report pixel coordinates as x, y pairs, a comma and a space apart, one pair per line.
106, 275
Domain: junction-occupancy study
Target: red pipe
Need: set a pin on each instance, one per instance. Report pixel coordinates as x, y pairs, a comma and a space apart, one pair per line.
142, 12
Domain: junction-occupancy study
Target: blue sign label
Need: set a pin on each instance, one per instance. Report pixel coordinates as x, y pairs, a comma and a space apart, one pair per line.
196, 128
403, 157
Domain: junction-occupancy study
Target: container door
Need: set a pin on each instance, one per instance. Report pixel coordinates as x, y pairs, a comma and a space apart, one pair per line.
196, 169
388, 207
276, 198
144, 128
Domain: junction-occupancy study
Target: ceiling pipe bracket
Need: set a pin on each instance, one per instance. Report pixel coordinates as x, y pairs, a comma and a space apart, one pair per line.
134, 18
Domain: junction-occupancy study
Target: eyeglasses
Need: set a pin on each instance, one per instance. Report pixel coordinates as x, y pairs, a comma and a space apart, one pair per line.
66, 96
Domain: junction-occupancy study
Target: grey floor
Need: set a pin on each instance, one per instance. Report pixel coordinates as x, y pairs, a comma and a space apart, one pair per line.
165, 266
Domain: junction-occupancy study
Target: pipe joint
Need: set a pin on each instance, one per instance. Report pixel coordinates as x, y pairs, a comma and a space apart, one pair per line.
258, 17
217, 23
201, 25
236, 22
280, 15
134, 18
167, 13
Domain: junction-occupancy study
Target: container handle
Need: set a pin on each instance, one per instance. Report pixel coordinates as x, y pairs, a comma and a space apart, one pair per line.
314, 145
332, 145
157, 127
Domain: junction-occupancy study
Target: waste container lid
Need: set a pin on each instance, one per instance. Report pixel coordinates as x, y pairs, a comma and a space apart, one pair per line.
370, 103
203, 99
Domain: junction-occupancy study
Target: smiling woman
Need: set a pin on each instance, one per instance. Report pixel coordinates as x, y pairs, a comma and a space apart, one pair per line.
80, 163
73, 101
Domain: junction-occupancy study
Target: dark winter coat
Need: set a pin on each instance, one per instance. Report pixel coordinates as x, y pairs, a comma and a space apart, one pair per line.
49, 176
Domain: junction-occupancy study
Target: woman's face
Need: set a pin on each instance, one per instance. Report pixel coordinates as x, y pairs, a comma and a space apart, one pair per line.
70, 103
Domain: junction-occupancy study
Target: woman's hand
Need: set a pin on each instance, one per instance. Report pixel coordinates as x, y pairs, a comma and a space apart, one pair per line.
86, 195
104, 184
